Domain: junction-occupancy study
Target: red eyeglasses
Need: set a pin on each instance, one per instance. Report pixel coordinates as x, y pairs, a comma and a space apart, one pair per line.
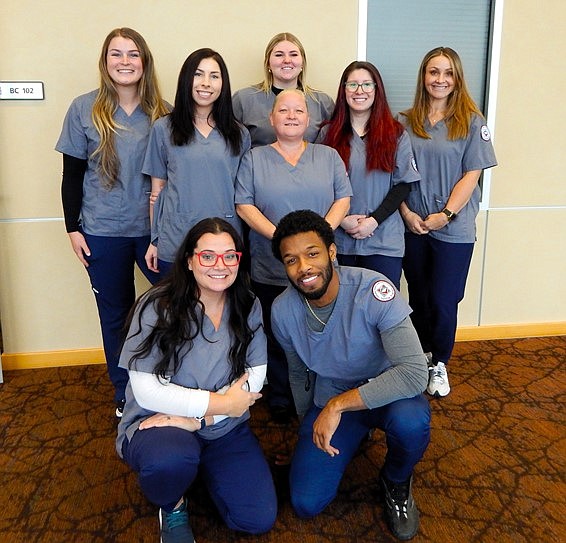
209, 259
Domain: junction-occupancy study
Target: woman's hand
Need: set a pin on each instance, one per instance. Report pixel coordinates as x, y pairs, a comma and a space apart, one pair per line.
364, 227
436, 221
350, 222
238, 399
80, 247
414, 223
159, 420
151, 258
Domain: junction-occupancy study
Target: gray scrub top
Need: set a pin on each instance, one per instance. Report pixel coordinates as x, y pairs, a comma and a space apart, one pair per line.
267, 181
205, 366
370, 189
199, 184
122, 211
442, 163
349, 350
252, 107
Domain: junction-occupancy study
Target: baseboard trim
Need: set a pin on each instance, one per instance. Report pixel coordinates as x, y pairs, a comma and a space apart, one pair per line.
81, 357
510, 331
52, 359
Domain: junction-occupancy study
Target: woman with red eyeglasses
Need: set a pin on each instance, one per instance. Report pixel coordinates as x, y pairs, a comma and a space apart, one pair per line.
196, 357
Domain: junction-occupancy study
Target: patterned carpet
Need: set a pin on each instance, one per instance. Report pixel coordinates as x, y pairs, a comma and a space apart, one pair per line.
494, 471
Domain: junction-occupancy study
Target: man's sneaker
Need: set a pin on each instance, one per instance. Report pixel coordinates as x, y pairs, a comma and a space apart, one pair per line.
120, 408
175, 527
438, 385
401, 513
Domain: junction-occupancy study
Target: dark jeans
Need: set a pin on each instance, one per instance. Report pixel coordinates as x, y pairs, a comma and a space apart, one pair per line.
111, 272
164, 267
315, 475
436, 274
277, 369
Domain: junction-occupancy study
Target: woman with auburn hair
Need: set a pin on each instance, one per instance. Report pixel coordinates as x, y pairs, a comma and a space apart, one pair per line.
452, 146
196, 356
105, 196
377, 152
285, 67
193, 156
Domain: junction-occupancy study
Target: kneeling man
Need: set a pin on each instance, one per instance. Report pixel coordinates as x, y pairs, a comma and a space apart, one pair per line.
355, 363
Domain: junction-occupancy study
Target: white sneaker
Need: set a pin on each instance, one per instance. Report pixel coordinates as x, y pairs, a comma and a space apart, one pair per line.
438, 385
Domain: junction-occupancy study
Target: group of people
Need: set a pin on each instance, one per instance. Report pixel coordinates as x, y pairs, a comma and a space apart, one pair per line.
274, 225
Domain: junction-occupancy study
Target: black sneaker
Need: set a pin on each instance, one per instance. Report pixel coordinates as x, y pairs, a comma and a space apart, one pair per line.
120, 408
400, 510
175, 527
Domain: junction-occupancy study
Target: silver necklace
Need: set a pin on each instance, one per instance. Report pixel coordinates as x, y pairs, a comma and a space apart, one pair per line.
314, 314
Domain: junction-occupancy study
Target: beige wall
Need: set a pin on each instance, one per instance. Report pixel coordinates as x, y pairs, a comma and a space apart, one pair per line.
518, 269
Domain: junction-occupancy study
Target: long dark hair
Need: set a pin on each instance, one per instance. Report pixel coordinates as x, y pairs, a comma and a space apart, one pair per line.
180, 313
181, 118
382, 130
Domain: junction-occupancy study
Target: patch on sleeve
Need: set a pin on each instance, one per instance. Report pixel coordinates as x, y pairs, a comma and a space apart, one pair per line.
383, 291
485, 135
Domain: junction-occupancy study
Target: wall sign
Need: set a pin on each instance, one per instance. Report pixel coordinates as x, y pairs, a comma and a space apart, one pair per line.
21, 90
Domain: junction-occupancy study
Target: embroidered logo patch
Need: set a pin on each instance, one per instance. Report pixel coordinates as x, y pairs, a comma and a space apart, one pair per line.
485, 135
383, 291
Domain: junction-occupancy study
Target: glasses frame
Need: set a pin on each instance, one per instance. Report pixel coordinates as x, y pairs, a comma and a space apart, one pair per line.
358, 85
218, 255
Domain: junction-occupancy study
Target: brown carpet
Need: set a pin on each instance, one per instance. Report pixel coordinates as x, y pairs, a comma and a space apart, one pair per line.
494, 470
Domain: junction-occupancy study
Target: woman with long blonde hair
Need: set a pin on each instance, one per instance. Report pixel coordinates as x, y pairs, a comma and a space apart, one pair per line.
105, 196
452, 145
285, 67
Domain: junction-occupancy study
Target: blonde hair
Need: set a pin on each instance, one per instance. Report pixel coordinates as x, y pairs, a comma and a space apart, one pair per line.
267, 82
284, 93
107, 101
461, 105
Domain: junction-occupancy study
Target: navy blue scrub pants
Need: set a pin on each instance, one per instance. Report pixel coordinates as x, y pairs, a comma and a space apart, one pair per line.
277, 368
390, 266
111, 272
315, 475
233, 467
436, 273
164, 267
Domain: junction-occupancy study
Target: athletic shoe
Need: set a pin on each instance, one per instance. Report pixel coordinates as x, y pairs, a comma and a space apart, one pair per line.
120, 408
401, 513
438, 385
175, 527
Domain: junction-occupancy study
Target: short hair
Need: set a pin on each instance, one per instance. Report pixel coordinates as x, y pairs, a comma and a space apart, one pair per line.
299, 222
286, 92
